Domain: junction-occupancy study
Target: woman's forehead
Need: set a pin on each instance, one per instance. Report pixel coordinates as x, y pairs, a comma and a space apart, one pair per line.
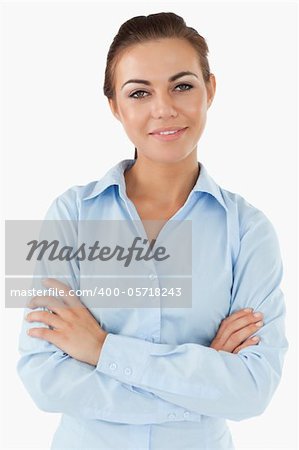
170, 47
156, 59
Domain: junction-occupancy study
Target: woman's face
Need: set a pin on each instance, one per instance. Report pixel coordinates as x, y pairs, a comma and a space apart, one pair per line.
148, 98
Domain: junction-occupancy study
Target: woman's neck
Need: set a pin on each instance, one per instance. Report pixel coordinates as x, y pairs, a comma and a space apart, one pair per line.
162, 183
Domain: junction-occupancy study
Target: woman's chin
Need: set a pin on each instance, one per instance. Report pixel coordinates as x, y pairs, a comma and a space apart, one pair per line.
169, 157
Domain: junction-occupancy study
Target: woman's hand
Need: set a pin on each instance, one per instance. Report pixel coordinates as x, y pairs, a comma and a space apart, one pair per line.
234, 331
75, 332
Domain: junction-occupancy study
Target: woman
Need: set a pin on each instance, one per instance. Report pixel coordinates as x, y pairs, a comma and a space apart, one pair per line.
161, 378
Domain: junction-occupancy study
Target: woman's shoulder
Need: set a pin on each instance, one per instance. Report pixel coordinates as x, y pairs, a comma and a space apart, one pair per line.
240, 211
67, 204
247, 215
72, 198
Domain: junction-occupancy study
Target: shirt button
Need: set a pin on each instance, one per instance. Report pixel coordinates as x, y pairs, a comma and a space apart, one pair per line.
171, 416
152, 276
128, 371
186, 414
113, 366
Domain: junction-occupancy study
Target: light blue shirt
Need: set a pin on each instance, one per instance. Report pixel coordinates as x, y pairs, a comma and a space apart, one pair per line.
158, 384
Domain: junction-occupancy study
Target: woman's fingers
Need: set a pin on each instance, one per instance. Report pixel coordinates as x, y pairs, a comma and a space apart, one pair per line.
250, 341
234, 316
64, 306
233, 324
46, 301
235, 329
241, 329
226, 323
65, 292
45, 317
240, 336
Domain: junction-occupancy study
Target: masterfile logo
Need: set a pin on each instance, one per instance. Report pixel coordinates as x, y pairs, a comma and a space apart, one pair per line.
108, 263
95, 251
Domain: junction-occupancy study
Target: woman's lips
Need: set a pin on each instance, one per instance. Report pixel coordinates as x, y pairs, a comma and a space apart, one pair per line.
169, 137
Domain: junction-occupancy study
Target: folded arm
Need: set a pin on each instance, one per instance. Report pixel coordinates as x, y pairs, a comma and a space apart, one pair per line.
59, 383
201, 379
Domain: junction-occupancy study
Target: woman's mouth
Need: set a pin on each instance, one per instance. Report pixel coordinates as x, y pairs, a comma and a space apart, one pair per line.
169, 135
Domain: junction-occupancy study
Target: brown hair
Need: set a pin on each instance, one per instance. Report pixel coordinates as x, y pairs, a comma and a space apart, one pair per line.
145, 28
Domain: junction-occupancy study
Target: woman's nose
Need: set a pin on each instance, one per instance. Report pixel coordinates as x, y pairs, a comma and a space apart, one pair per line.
162, 106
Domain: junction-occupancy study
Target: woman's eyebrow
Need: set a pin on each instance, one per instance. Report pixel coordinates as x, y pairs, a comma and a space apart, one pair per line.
172, 78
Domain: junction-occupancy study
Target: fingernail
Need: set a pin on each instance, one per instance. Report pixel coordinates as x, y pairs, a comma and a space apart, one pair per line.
259, 324
255, 338
257, 314
248, 309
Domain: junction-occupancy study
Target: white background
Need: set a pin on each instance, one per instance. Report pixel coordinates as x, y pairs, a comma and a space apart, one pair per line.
58, 131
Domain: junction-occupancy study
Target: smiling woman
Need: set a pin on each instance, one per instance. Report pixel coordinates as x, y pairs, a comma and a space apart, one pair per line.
176, 99
158, 377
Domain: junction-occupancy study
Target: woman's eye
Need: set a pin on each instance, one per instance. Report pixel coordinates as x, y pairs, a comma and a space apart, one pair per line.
185, 84
138, 96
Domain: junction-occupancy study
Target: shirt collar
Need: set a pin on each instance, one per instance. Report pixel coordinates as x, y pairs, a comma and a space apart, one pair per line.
115, 176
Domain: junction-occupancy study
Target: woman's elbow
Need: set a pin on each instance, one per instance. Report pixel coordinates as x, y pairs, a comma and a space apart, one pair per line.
30, 371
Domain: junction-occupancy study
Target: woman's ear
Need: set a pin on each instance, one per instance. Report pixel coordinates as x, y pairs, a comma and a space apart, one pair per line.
211, 89
113, 108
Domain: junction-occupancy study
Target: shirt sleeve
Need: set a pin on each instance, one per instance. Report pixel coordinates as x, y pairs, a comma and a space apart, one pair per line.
199, 378
62, 384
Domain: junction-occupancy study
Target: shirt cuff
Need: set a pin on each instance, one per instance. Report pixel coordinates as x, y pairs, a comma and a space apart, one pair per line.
127, 358
124, 358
